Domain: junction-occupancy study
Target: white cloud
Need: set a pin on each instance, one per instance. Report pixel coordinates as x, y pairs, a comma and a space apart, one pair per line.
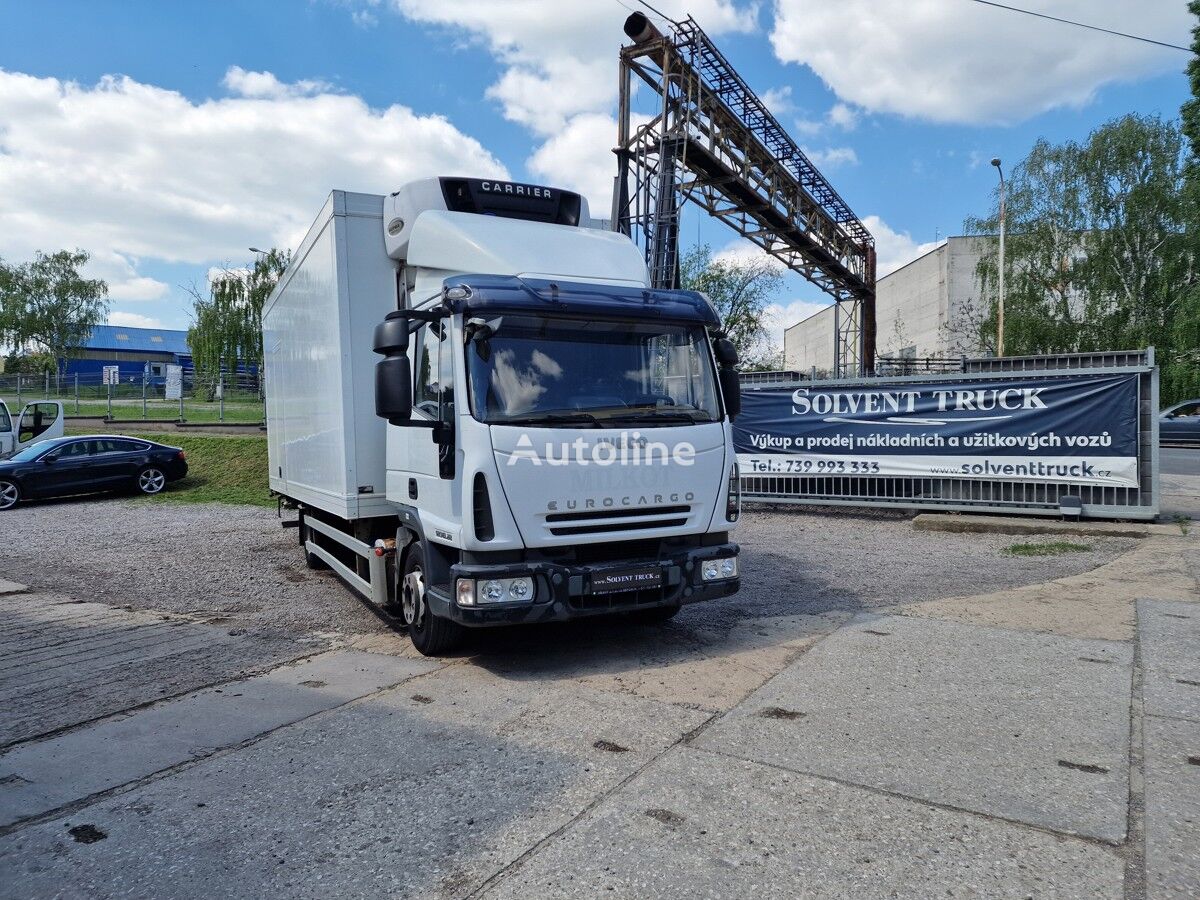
740, 250
778, 317
132, 171
843, 116
894, 249
124, 283
265, 85
778, 100
133, 320
832, 157
951, 61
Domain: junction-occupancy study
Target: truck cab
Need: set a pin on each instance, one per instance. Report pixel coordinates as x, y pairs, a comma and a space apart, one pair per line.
558, 435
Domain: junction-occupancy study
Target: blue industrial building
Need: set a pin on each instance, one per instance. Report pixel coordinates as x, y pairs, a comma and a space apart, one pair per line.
134, 350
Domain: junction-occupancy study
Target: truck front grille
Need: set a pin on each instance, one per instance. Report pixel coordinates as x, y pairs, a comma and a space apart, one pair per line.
604, 521
619, 600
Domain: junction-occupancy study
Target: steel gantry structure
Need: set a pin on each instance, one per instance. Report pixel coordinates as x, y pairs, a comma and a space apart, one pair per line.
714, 142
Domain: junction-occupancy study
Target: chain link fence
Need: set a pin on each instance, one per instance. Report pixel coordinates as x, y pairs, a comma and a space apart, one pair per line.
229, 398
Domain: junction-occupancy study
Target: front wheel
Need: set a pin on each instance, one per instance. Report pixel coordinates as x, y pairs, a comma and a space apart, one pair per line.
10, 494
151, 480
430, 634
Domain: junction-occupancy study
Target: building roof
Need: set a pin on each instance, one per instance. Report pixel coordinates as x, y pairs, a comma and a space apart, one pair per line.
138, 340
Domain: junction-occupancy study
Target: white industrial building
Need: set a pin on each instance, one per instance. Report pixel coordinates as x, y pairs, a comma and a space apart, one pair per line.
926, 308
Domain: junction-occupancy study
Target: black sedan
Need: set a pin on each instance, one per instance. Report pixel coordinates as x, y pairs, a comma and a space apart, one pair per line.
1180, 424
85, 465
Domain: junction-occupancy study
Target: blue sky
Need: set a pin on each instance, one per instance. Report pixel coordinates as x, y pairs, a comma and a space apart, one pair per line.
167, 137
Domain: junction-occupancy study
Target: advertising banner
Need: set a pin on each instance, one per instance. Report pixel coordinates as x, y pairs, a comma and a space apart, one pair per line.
1075, 430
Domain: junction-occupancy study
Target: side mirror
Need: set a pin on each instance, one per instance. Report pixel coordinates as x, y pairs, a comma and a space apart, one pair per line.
50, 458
393, 373
727, 354
731, 390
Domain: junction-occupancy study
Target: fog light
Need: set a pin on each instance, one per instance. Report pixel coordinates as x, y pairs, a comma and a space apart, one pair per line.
520, 588
493, 592
464, 590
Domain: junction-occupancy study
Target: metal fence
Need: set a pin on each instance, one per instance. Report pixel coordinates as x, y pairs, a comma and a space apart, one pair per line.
235, 398
974, 495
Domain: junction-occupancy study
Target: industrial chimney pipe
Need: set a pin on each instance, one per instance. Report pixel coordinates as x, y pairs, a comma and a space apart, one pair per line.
640, 29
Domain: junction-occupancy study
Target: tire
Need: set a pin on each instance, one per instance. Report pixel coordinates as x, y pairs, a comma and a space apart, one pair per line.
150, 481
430, 634
656, 616
10, 495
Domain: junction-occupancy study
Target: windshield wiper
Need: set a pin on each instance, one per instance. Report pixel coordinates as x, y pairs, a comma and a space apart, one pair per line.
663, 416
553, 419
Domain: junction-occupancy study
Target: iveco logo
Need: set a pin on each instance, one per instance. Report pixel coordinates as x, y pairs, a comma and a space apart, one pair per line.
516, 190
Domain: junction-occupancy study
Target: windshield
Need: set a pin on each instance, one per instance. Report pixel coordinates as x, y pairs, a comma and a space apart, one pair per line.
32, 452
536, 370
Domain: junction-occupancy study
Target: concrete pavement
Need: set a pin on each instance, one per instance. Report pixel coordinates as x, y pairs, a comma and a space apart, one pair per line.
1041, 741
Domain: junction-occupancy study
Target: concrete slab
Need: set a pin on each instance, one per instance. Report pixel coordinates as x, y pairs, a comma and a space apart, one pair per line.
38, 778
1096, 604
1172, 765
11, 587
64, 662
698, 824
1169, 636
1011, 724
423, 791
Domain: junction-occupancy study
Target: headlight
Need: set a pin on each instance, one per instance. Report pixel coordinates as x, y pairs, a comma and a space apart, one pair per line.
493, 592
716, 569
520, 589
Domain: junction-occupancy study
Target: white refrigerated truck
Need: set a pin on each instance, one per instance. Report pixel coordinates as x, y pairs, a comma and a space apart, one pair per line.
485, 416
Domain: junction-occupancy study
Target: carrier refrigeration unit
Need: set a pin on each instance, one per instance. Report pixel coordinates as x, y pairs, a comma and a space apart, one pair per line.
486, 416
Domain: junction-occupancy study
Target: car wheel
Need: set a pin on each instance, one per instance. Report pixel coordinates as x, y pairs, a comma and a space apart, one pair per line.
10, 494
430, 634
151, 480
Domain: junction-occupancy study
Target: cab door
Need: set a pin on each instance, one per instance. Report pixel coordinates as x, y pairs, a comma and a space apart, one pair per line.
40, 421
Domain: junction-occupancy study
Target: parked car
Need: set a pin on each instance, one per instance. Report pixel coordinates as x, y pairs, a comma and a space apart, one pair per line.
85, 465
1180, 424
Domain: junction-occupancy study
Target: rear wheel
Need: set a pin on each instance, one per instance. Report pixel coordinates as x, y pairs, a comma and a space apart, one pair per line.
151, 480
10, 494
430, 634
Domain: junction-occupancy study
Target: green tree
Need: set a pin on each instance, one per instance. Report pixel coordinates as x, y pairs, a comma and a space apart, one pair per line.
227, 324
1097, 254
48, 309
741, 291
1181, 378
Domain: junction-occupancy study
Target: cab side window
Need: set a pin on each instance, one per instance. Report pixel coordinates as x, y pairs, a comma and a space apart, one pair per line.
433, 378
5, 420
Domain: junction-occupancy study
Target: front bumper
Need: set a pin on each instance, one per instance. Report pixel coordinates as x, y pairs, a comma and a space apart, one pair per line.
564, 592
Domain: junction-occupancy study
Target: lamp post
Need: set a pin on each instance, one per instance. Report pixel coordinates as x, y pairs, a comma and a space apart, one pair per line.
1000, 306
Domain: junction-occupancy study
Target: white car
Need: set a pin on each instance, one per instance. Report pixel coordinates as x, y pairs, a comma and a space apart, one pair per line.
38, 421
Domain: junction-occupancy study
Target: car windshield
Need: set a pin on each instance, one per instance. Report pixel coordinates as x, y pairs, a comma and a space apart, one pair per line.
32, 452
551, 371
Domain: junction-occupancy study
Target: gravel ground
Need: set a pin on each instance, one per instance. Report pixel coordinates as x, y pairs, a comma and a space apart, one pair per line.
235, 565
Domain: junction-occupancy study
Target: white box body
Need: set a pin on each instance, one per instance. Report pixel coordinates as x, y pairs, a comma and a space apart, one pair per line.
326, 446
